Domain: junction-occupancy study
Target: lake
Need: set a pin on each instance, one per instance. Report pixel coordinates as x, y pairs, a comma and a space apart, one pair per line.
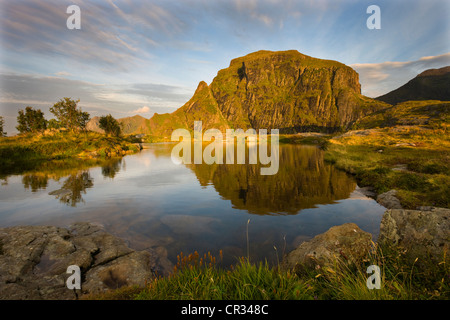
151, 202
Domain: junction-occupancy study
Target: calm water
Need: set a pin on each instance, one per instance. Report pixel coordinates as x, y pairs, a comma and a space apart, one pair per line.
153, 203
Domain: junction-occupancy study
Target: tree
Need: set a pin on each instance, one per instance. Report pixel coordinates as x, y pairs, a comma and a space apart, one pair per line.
110, 125
69, 116
53, 124
31, 120
2, 123
83, 120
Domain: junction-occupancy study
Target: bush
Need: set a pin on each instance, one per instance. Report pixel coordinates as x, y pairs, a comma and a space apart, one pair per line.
69, 116
31, 120
110, 125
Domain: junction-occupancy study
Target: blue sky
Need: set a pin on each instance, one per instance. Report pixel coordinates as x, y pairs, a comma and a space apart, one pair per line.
141, 57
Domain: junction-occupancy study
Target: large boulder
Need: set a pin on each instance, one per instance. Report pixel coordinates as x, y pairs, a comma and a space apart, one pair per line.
34, 261
346, 242
422, 234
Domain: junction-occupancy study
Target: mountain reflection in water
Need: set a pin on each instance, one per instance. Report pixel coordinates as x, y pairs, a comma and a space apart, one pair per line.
303, 181
155, 204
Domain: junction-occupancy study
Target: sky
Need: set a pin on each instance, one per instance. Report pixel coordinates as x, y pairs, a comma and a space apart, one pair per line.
141, 57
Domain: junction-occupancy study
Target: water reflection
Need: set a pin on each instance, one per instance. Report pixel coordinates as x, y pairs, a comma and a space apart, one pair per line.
76, 174
172, 208
77, 183
35, 181
73, 187
303, 181
111, 168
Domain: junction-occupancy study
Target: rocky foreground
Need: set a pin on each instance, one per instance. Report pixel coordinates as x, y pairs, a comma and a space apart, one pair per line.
34, 259
423, 235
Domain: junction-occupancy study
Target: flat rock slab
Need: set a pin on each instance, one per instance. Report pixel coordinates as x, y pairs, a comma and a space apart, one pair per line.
34, 261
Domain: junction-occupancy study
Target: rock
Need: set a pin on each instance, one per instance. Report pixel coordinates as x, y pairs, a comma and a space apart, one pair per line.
400, 167
425, 208
404, 144
367, 191
389, 200
346, 242
34, 260
360, 133
131, 269
424, 234
283, 90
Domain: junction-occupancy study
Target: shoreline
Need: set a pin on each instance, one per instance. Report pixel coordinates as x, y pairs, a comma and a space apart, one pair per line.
109, 267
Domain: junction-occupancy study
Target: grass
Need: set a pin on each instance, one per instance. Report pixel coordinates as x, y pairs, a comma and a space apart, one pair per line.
320, 140
428, 112
198, 277
414, 160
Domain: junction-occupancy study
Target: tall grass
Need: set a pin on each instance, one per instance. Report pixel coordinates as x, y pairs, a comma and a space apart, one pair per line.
197, 277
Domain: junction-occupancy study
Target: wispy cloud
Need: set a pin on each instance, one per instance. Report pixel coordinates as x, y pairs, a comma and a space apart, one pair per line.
108, 36
19, 91
62, 74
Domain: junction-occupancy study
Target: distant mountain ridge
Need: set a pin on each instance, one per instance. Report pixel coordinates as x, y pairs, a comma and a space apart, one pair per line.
130, 125
432, 84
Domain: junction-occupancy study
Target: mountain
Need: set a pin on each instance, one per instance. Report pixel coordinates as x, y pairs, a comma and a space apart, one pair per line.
130, 125
285, 90
201, 107
432, 84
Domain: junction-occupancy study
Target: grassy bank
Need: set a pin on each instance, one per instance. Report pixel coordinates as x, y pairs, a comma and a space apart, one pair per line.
414, 160
197, 277
24, 152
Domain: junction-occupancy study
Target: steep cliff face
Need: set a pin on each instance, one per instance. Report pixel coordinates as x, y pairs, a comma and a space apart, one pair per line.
286, 90
275, 90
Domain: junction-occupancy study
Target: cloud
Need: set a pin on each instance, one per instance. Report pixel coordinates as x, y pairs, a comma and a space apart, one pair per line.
113, 38
20, 90
144, 109
62, 74
379, 78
